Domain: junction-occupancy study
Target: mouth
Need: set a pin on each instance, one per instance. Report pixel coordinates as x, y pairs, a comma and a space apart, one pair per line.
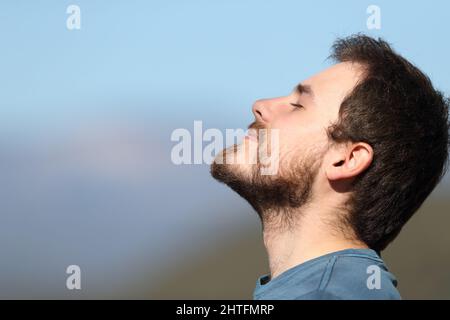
251, 138
252, 134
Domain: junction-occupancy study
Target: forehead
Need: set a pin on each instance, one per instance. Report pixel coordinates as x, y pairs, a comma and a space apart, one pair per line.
331, 85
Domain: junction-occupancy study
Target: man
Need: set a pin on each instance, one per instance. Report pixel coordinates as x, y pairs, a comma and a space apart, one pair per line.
359, 147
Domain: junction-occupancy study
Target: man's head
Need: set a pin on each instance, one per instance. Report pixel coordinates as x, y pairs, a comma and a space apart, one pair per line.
368, 135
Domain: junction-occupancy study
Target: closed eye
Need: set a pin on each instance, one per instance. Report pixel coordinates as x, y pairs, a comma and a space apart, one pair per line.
297, 105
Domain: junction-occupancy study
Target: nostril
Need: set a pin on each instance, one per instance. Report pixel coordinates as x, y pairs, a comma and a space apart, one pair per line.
258, 110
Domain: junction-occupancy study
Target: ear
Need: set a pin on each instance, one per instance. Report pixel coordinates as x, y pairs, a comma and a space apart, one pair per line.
348, 161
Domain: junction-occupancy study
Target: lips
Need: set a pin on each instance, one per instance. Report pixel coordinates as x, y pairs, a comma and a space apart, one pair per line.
252, 134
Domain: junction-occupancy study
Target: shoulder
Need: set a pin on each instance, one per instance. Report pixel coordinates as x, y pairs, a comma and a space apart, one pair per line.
355, 277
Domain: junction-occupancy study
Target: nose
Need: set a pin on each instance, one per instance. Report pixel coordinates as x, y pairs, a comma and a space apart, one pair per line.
262, 111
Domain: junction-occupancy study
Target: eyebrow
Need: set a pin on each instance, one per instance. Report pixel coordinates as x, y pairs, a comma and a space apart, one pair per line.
304, 89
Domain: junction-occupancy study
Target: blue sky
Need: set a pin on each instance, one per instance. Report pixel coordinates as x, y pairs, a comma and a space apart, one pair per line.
188, 60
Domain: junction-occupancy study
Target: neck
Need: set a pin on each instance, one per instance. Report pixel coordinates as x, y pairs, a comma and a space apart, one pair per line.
310, 235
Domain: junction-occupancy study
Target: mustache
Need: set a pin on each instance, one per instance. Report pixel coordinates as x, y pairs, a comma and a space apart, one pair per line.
256, 125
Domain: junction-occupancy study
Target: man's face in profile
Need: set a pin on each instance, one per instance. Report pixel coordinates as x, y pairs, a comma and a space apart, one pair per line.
301, 120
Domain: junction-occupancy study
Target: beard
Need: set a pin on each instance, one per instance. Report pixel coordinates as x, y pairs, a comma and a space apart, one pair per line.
276, 198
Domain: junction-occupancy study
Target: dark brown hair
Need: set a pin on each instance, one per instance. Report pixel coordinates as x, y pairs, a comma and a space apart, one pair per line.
396, 110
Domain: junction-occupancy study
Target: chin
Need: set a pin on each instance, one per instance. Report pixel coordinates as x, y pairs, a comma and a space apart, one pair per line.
234, 163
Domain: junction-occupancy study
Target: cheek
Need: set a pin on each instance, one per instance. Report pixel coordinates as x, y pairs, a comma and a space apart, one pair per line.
301, 132
302, 139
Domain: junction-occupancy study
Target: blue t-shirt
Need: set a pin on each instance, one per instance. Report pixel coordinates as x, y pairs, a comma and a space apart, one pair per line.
347, 274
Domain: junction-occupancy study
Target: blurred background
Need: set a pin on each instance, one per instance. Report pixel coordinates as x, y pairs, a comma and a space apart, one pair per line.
86, 117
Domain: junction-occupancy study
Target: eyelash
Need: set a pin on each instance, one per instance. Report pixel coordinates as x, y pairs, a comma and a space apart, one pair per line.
299, 106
